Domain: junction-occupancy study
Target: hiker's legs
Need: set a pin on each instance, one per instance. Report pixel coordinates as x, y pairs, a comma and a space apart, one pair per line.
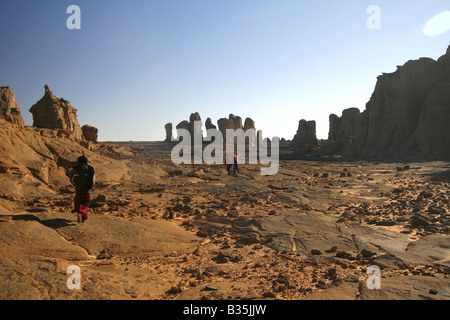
229, 169
82, 202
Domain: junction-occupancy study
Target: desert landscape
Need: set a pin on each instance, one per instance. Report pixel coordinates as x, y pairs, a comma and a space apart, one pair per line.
376, 193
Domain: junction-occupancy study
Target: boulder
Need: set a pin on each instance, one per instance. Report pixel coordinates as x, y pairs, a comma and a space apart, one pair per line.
9, 110
90, 133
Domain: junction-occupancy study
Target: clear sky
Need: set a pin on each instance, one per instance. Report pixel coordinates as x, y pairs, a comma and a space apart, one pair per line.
136, 65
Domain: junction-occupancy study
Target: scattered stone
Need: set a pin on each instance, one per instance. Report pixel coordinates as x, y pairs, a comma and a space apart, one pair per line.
174, 290
210, 287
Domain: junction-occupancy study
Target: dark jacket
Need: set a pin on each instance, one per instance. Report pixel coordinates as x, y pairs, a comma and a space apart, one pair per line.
83, 178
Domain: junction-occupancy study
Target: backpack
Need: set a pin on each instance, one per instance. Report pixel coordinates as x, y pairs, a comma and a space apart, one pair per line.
83, 178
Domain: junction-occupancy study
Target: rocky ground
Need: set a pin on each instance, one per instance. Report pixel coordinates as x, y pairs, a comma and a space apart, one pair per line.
195, 232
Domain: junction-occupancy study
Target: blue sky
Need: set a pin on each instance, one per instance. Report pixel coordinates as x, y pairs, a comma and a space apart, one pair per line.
136, 65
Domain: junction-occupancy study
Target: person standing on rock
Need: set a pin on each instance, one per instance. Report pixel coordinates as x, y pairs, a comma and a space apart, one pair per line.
83, 178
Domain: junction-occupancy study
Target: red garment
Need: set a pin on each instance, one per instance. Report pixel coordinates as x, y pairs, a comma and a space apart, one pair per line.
82, 202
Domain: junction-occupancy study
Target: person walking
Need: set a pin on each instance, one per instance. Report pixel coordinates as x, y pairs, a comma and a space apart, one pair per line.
83, 178
236, 160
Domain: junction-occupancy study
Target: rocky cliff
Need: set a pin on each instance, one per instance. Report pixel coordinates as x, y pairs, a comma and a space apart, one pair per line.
407, 115
9, 110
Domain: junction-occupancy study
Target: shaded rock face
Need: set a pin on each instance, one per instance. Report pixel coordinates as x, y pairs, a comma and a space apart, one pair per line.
306, 135
53, 113
343, 131
168, 127
90, 133
8, 107
408, 114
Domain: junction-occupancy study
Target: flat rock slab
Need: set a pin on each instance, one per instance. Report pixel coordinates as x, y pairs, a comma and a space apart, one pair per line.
25, 234
58, 235
38, 278
344, 291
408, 288
307, 231
429, 249
137, 236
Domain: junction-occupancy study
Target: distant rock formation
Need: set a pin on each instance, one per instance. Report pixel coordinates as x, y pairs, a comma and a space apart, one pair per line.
232, 122
169, 134
209, 124
249, 124
306, 137
53, 113
193, 129
183, 125
90, 133
224, 124
341, 136
407, 115
8, 107
236, 121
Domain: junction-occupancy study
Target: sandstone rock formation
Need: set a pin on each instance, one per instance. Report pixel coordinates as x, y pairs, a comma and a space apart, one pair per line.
341, 136
232, 122
195, 130
306, 136
36, 162
169, 134
224, 124
90, 133
407, 115
183, 125
249, 124
8, 106
236, 121
191, 127
53, 113
209, 124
